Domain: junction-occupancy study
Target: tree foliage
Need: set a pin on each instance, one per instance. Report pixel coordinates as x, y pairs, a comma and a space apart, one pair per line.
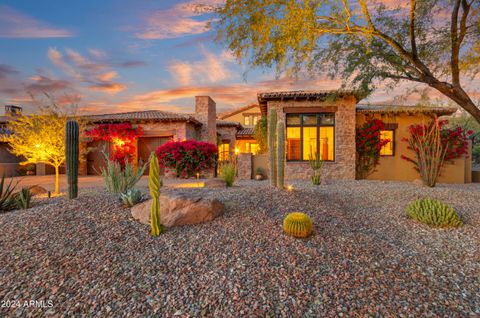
261, 134
435, 42
39, 138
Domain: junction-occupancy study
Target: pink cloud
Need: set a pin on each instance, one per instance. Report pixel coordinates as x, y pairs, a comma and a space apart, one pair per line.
14, 24
182, 19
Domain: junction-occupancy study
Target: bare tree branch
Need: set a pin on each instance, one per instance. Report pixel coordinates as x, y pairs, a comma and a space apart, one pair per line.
413, 7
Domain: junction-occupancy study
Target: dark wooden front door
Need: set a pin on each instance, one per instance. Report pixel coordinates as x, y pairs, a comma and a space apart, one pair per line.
146, 145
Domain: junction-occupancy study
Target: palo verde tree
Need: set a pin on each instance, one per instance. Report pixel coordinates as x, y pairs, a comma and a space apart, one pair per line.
435, 42
40, 138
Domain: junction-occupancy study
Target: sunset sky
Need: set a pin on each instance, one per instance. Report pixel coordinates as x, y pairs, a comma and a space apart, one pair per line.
118, 55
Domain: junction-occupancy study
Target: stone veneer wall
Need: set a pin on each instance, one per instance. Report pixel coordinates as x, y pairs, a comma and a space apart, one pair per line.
206, 113
244, 166
344, 165
228, 133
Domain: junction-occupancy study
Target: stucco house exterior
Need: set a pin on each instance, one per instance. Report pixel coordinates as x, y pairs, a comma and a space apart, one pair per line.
324, 123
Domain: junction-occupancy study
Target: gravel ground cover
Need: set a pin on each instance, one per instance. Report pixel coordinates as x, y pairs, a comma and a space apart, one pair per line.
365, 258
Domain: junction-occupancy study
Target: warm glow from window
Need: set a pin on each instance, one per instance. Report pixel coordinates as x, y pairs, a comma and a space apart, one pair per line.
387, 150
237, 151
254, 148
224, 152
247, 120
327, 143
293, 143
309, 142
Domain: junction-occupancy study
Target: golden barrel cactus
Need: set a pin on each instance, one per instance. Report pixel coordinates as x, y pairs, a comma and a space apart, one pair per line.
298, 224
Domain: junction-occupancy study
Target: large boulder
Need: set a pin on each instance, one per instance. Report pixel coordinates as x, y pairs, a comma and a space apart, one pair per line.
37, 190
180, 209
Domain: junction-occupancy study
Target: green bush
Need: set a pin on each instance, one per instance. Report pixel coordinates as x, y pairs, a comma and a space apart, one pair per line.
227, 173
7, 198
118, 180
23, 198
131, 197
434, 213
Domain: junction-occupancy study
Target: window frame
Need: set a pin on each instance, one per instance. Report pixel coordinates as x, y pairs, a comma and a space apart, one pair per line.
317, 126
393, 142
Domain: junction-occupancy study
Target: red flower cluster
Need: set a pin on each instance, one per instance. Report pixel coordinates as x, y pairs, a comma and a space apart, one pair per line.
369, 144
122, 138
368, 138
187, 158
456, 140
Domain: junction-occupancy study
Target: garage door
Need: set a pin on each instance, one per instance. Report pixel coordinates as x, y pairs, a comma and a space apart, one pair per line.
146, 145
95, 157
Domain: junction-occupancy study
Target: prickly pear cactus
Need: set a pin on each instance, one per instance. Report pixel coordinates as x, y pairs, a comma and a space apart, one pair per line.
155, 183
72, 135
434, 213
272, 143
280, 154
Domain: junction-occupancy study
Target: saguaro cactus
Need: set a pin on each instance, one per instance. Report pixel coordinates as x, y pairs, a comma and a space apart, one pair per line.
272, 143
155, 183
72, 134
280, 154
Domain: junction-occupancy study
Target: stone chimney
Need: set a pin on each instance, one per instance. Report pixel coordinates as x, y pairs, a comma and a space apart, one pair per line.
206, 113
12, 110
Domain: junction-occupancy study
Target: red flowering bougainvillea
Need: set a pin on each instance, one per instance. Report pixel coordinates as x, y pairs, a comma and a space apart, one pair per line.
453, 140
122, 138
369, 144
187, 158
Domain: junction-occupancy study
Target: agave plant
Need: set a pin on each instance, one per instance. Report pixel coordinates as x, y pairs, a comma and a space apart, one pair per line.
23, 198
131, 197
119, 179
7, 199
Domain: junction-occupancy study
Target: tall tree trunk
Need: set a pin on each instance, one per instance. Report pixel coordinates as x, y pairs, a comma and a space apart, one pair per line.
57, 169
458, 95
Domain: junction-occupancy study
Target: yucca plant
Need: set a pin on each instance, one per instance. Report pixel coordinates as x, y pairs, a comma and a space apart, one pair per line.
131, 197
23, 198
316, 164
7, 199
434, 213
118, 179
227, 173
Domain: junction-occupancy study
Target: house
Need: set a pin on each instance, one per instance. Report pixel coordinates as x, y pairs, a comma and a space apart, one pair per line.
160, 127
248, 117
9, 163
323, 123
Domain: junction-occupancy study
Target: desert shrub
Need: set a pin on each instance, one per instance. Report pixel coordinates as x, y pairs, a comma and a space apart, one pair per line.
131, 197
368, 144
316, 164
433, 144
7, 198
118, 179
23, 198
298, 224
187, 158
227, 173
433, 212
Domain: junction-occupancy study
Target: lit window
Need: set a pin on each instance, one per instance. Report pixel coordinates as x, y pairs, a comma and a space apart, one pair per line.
255, 119
387, 150
224, 152
309, 135
254, 148
247, 120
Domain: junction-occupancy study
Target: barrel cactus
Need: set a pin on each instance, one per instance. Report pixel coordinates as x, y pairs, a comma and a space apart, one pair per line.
434, 213
280, 154
297, 224
72, 133
155, 183
272, 149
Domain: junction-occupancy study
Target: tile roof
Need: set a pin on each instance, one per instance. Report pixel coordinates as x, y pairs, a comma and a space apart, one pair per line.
155, 115
396, 109
224, 123
246, 132
236, 111
301, 95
